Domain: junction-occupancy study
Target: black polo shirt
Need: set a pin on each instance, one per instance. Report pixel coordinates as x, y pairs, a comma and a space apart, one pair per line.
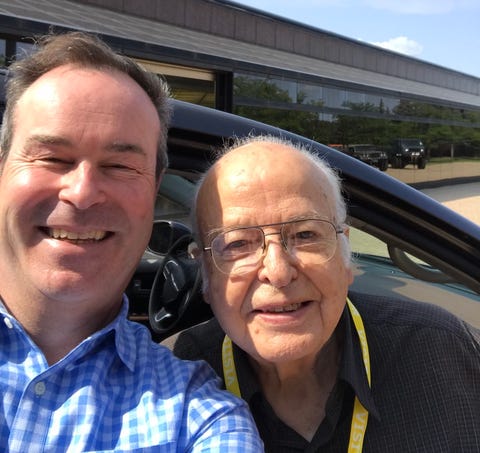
425, 369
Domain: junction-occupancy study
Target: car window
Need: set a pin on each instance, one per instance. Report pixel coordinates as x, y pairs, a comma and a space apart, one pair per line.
377, 273
174, 198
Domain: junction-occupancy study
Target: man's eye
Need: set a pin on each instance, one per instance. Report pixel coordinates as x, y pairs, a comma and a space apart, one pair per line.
305, 237
116, 165
306, 234
237, 246
54, 160
121, 168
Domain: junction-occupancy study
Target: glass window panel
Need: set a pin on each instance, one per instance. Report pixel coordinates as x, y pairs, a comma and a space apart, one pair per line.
389, 104
174, 199
376, 272
254, 88
196, 91
287, 87
309, 94
355, 98
334, 97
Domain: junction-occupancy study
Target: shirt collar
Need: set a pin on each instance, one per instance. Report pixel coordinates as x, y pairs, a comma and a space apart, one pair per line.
124, 335
119, 326
247, 380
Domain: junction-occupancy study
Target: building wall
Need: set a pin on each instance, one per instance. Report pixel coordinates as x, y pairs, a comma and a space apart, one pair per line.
233, 21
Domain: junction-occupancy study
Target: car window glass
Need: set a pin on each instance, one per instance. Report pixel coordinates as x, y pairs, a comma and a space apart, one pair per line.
376, 273
174, 199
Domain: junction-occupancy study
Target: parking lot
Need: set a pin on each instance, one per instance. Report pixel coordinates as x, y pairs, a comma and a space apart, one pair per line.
462, 198
437, 171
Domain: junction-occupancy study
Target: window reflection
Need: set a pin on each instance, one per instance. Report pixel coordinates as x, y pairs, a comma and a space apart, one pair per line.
336, 115
196, 91
309, 94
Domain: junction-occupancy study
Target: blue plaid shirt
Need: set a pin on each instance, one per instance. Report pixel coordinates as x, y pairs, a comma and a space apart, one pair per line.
116, 391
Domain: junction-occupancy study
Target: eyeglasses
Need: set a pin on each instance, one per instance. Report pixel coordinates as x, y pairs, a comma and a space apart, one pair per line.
240, 250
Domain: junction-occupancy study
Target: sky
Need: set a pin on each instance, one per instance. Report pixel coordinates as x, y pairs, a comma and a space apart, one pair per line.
443, 32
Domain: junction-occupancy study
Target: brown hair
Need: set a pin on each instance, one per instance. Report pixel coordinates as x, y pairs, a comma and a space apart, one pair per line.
83, 50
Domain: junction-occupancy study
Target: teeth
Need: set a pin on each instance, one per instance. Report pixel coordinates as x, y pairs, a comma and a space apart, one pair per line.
57, 233
286, 308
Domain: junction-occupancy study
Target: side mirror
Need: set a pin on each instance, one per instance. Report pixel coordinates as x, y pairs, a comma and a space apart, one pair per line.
165, 233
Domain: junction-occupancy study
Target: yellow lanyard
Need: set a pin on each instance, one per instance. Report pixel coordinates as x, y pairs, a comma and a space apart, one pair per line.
360, 414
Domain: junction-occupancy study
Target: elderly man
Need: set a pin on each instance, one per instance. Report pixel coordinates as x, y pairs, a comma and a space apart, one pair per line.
83, 148
322, 369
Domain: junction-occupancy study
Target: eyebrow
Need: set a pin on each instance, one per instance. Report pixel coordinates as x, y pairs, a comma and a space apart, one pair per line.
123, 147
55, 140
47, 140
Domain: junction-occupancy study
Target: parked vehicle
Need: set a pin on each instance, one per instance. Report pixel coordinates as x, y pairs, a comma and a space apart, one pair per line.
406, 151
405, 244
370, 154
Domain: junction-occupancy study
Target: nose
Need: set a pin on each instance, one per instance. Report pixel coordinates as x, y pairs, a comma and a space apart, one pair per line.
82, 186
278, 267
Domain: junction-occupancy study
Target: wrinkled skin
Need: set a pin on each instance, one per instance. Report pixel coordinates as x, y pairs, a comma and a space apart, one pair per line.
262, 184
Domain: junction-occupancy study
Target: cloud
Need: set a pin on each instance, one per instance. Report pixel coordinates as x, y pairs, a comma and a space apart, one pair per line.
401, 44
422, 7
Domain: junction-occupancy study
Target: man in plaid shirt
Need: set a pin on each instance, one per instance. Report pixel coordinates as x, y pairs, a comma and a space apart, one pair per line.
83, 149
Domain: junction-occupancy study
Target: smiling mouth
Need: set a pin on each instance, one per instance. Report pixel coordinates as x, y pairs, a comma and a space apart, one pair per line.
87, 236
285, 308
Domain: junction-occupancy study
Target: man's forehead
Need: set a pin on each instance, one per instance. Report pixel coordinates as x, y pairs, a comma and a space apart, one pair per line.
245, 174
266, 161
263, 150
259, 158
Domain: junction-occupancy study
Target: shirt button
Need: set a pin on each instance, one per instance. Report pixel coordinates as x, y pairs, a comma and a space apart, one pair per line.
40, 388
8, 323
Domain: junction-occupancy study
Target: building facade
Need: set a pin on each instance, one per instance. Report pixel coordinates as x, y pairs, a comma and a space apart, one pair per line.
328, 87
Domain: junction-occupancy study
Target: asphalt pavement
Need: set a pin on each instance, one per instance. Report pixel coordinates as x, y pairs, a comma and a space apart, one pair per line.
462, 198
436, 181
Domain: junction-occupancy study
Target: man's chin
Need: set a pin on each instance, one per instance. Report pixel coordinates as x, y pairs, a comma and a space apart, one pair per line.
73, 287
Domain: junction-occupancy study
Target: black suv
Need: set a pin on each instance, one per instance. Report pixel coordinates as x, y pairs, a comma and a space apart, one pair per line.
406, 151
369, 154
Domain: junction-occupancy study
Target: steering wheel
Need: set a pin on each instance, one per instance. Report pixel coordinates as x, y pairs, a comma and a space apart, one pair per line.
175, 287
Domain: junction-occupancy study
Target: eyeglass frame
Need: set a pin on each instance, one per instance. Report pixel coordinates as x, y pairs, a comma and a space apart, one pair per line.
338, 230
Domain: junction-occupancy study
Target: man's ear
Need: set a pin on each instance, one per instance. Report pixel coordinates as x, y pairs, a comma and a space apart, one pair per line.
159, 180
193, 250
206, 297
349, 270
